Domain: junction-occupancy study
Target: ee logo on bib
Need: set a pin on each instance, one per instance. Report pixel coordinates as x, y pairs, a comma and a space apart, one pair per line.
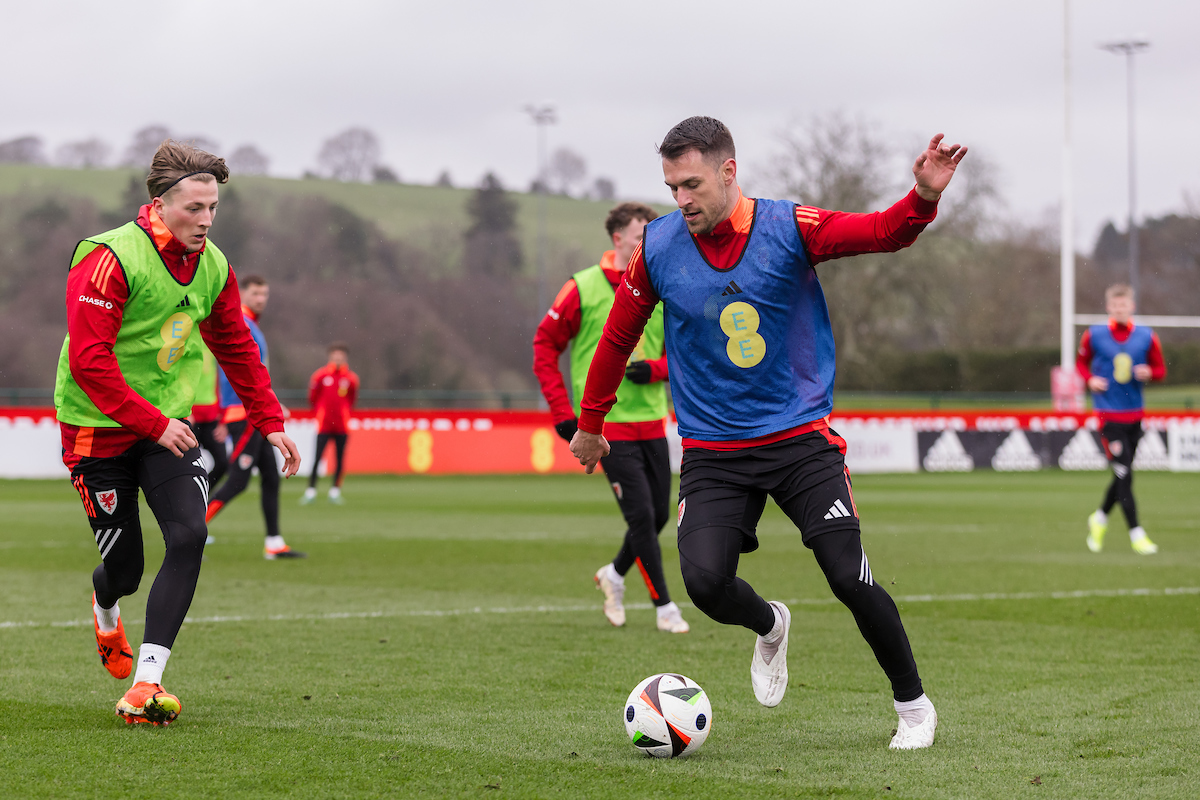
174, 333
740, 323
1122, 368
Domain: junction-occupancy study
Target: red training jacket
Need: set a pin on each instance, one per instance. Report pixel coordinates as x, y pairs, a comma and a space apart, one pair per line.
554, 334
826, 234
93, 330
332, 391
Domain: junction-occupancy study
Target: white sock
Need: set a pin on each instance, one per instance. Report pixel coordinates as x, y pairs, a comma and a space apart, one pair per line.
275, 543
776, 633
335, 491
152, 660
107, 618
667, 610
1101, 517
1136, 534
613, 575
310, 492
914, 712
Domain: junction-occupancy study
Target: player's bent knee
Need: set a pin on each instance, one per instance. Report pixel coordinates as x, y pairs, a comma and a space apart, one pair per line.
708, 590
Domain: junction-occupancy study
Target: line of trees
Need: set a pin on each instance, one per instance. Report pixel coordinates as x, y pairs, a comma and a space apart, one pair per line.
353, 155
453, 307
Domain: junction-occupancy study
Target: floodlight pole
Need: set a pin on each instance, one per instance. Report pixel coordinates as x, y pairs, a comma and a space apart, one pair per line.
1067, 221
1129, 48
542, 116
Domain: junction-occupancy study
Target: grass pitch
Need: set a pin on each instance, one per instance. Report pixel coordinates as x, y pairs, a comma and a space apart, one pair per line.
444, 640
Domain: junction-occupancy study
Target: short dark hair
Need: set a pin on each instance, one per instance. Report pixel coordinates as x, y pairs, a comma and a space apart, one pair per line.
345, 348
253, 280
174, 161
626, 213
708, 135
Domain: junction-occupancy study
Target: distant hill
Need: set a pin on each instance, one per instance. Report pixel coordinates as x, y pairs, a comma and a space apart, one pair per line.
402, 211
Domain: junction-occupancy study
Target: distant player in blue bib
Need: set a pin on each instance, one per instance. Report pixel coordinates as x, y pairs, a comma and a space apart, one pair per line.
1117, 360
751, 362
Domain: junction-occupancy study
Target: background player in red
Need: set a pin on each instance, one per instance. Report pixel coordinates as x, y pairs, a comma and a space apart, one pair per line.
250, 449
639, 466
127, 377
752, 369
332, 392
1116, 360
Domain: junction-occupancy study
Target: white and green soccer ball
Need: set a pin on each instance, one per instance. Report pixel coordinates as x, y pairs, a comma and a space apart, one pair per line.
668, 715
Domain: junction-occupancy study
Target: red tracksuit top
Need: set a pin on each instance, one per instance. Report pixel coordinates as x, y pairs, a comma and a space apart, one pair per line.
93, 330
554, 334
1154, 360
826, 234
332, 391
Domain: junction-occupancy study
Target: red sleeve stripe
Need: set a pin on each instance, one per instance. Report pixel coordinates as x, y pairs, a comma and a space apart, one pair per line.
101, 263
108, 262
808, 215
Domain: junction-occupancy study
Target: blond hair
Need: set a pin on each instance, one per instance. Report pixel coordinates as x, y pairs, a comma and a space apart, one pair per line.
174, 161
1118, 290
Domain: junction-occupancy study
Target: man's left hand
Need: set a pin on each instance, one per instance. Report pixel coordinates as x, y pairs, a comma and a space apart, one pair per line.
935, 167
291, 456
639, 372
1143, 372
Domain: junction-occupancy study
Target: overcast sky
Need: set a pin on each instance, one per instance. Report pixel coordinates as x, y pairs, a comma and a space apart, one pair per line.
443, 84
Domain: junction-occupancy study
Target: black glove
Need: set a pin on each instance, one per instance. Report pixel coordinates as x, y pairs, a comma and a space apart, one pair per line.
638, 372
566, 429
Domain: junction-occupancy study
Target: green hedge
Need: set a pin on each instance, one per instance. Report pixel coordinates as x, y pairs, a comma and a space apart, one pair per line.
984, 370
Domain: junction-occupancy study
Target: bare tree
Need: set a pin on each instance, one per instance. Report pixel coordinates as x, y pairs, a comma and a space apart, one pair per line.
201, 142
248, 160
85, 154
566, 169
352, 155
835, 163
444, 180
23, 150
145, 142
604, 189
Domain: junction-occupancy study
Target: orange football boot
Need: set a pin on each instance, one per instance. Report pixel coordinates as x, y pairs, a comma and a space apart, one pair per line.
149, 702
115, 653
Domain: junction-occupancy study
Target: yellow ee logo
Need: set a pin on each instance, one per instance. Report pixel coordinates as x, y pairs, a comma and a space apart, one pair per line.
1122, 368
174, 333
740, 323
420, 451
541, 450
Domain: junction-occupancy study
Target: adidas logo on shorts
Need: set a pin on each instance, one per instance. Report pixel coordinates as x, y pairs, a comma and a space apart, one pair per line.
837, 511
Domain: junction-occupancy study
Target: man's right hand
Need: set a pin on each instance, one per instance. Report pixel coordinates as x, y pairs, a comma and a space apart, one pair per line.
1097, 384
566, 429
589, 448
178, 438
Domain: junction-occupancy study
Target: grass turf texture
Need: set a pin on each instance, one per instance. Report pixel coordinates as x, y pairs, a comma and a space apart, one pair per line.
1039, 697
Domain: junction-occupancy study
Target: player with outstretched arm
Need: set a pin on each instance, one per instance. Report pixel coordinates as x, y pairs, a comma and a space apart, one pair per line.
137, 299
751, 362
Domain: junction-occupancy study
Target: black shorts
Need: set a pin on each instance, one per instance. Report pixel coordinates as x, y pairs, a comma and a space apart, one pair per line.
806, 475
1120, 440
109, 486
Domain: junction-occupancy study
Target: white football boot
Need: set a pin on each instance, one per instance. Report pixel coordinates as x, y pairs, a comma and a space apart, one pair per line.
914, 737
671, 621
768, 667
614, 595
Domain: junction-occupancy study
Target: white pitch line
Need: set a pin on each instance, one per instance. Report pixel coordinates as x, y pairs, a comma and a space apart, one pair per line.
455, 612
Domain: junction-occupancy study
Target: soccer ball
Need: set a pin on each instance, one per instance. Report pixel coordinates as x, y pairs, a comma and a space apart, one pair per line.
668, 715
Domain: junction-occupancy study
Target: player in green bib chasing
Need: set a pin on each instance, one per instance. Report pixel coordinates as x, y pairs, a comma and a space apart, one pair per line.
638, 468
139, 300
